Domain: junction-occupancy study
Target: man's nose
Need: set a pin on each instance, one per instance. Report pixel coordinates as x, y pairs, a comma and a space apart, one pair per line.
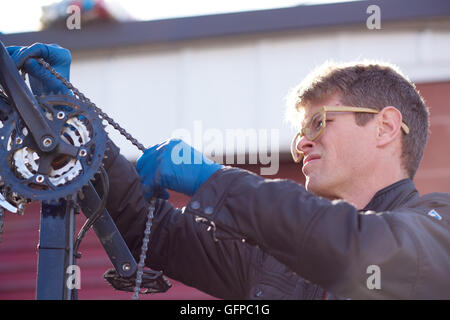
304, 145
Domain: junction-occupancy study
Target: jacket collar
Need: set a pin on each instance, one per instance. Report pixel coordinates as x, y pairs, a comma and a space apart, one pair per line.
393, 196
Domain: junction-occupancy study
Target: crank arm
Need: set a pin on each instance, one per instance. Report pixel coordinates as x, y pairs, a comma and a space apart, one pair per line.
108, 234
25, 103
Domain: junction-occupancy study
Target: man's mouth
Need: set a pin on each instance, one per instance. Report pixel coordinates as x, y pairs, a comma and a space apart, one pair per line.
310, 158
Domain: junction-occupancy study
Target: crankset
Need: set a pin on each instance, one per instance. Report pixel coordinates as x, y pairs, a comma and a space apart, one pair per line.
35, 174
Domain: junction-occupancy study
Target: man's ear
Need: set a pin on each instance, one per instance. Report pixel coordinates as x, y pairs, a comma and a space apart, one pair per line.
389, 124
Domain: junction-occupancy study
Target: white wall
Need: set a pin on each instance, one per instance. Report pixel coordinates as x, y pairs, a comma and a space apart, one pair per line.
240, 82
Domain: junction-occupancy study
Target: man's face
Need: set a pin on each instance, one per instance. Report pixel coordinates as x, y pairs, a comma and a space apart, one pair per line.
341, 156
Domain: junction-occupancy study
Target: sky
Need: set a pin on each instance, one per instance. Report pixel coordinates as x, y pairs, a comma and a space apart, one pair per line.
24, 15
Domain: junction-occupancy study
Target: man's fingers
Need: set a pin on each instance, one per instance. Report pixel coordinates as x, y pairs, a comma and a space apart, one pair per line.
147, 175
146, 157
164, 194
37, 50
33, 68
158, 193
141, 161
12, 50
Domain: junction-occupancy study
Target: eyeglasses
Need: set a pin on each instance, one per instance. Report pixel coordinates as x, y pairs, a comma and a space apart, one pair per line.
317, 123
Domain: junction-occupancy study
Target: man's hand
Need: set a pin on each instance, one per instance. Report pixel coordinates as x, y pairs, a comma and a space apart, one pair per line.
41, 80
174, 165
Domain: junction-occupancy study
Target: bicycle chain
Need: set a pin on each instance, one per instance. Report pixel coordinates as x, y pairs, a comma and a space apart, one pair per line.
100, 112
135, 142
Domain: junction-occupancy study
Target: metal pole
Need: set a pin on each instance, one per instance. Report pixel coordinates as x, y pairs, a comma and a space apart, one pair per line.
54, 252
71, 257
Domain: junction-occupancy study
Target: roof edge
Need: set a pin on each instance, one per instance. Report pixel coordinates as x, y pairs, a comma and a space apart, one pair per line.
300, 17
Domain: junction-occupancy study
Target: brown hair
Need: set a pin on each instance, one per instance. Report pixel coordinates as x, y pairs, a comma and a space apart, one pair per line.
369, 84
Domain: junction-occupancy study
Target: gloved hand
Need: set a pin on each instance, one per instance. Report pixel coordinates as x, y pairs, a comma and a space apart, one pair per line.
41, 80
174, 165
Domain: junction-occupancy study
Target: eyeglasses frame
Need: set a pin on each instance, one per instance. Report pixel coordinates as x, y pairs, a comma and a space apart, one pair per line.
324, 111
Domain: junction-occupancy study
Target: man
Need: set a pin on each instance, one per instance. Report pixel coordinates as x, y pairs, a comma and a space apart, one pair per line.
358, 230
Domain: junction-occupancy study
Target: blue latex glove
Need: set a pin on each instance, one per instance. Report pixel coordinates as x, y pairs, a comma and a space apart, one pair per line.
41, 80
174, 165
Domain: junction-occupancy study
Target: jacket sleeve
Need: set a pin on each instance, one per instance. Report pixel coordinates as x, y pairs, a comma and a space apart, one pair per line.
179, 246
328, 243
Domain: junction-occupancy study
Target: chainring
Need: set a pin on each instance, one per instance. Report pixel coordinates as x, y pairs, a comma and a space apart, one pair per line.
52, 176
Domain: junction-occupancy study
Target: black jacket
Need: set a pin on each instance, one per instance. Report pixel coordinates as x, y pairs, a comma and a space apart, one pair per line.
245, 237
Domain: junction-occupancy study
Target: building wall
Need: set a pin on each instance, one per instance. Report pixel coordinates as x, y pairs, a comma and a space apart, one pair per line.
154, 90
434, 172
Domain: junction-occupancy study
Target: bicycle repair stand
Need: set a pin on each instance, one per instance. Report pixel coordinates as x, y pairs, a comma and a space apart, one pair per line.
56, 271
